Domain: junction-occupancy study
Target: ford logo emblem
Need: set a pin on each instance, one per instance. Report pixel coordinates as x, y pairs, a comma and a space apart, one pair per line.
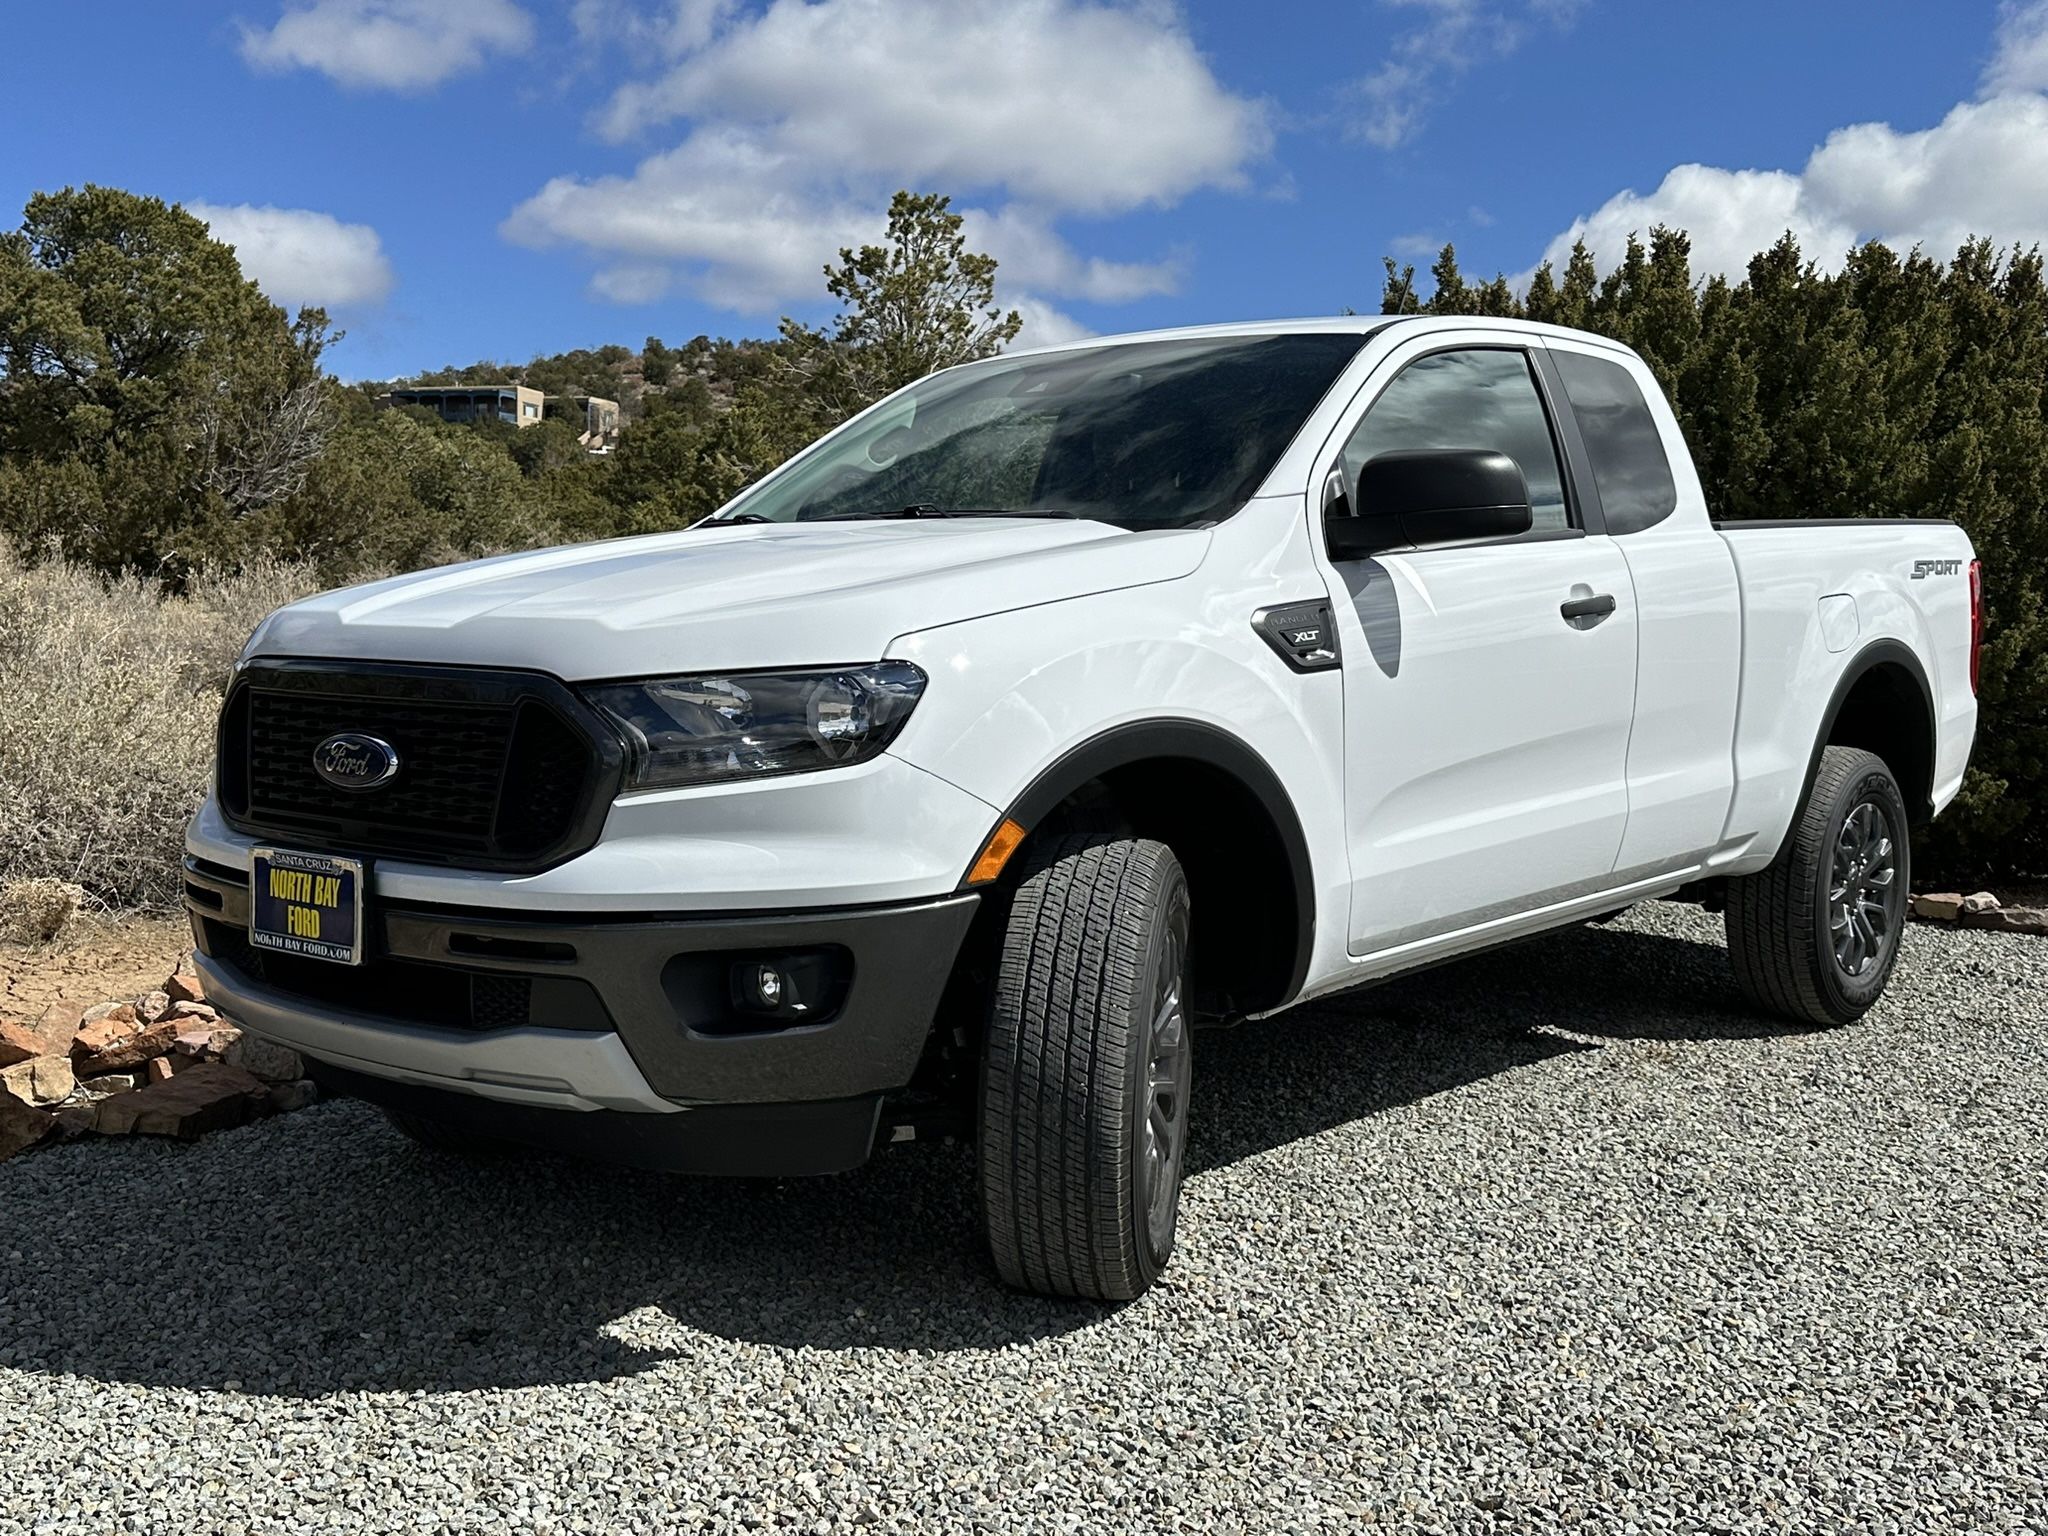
351, 760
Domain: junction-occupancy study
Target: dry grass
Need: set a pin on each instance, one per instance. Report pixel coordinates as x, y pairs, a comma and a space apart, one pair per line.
111, 690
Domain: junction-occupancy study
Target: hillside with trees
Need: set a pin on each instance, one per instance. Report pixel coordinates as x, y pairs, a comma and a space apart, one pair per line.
158, 415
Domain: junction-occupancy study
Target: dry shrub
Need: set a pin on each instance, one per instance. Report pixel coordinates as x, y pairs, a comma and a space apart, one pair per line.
111, 689
36, 911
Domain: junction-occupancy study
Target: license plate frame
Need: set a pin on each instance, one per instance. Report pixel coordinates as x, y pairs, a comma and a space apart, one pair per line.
307, 904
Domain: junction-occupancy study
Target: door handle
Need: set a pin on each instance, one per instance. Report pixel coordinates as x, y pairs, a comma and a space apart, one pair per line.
1585, 612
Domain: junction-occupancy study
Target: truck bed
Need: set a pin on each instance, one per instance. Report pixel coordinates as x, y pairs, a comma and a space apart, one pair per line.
1816, 594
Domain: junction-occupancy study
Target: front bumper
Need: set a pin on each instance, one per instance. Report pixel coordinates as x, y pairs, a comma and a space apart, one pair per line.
544, 1015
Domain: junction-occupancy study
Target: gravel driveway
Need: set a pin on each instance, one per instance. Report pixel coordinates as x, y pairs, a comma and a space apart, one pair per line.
1554, 1239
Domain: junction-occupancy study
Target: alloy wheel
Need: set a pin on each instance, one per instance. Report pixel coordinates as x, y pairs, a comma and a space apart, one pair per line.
1863, 890
1169, 1072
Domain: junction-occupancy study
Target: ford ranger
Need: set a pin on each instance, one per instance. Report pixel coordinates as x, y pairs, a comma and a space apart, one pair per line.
943, 780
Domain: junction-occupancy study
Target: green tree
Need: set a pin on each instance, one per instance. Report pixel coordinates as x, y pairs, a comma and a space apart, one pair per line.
134, 352
918, 303
549, 445
1397, 294
657, 362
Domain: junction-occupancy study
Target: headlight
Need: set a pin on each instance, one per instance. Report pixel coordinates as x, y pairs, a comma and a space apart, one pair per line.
744, 725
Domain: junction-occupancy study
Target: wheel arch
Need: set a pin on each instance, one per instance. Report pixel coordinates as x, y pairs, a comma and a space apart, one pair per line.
1176, 779
1883, 703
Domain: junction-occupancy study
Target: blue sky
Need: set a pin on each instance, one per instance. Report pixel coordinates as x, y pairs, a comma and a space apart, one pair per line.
459, 179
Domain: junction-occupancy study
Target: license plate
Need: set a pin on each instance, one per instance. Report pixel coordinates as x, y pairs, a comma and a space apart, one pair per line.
306, 904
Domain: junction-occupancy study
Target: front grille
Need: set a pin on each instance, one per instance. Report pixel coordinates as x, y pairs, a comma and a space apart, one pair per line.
495, 770
412, 992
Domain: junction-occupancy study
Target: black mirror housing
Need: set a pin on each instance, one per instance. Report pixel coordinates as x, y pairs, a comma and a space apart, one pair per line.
1431, 496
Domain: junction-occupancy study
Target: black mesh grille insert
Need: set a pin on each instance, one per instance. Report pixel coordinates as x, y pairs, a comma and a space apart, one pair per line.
542, 779
500, 1002
414, 992
496, 770
450, 759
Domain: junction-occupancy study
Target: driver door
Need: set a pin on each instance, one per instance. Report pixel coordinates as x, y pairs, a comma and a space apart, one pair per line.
1487, 712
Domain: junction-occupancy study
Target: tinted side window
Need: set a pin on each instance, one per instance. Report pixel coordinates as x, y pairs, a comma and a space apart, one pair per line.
1485, 398
1629, 466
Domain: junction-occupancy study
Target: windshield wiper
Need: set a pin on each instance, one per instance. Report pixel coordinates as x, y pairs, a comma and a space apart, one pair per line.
738, 517
1066, 512
914, 509
930, 509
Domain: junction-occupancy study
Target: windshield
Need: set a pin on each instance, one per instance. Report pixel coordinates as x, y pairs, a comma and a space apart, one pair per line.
1151, 434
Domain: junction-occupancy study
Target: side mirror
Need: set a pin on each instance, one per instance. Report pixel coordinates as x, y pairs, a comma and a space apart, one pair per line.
1428, 496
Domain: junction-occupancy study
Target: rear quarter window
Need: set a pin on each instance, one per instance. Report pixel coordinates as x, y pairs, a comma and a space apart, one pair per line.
1629, 466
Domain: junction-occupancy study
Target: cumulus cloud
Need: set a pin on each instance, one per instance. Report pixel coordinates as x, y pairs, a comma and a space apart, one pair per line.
2020, 62
743, 218
1030, 252
1388, 106
1981, 171
391, 44
1731, 215
1045, 326
1079, 105
797, 124
298, 256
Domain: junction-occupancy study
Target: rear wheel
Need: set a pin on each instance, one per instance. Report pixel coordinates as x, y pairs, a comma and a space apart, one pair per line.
1814, 937
1085, 1071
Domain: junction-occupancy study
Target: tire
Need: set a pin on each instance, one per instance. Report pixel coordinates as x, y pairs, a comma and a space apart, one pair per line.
1085, 1070
446, 1138
1815, 935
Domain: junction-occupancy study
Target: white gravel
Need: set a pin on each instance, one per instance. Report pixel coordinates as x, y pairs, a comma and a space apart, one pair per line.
1559, 1239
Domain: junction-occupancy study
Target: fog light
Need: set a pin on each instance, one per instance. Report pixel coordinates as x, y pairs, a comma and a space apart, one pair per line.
800, 986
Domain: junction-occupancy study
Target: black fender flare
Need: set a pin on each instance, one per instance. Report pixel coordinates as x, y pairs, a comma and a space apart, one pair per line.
1880, 653
1142, 740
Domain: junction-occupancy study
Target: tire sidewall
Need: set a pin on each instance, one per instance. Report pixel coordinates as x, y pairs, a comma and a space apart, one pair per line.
1850, 996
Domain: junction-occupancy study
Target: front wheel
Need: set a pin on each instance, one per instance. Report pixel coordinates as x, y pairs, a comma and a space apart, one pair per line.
1815, 935
1085, 1071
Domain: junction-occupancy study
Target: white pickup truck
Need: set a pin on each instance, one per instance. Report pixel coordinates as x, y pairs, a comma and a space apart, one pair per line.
944, 779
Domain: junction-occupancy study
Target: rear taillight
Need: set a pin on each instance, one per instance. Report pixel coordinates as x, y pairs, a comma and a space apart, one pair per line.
1976, 621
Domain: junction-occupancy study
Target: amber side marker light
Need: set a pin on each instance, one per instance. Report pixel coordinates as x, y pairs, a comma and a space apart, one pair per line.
996, 852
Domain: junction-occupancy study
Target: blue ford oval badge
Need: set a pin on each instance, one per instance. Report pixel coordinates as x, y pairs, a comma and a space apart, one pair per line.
351, 760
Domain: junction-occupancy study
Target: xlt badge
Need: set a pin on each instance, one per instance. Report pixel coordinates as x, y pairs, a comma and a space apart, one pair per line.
1301, 634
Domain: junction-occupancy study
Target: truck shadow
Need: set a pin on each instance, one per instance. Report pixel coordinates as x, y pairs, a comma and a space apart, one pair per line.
322, 1253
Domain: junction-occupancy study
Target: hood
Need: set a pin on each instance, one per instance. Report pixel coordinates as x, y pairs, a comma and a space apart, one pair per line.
751, 595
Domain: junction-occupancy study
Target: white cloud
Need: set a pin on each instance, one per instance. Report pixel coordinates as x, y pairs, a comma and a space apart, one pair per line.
671, 27
298, 256
1389, 105
743, 219
1983, 170
801, 119
1045, 326
631, 283
1077, 105
1418, 245
2021, 60
1030, 252
395, 44
1731, 215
